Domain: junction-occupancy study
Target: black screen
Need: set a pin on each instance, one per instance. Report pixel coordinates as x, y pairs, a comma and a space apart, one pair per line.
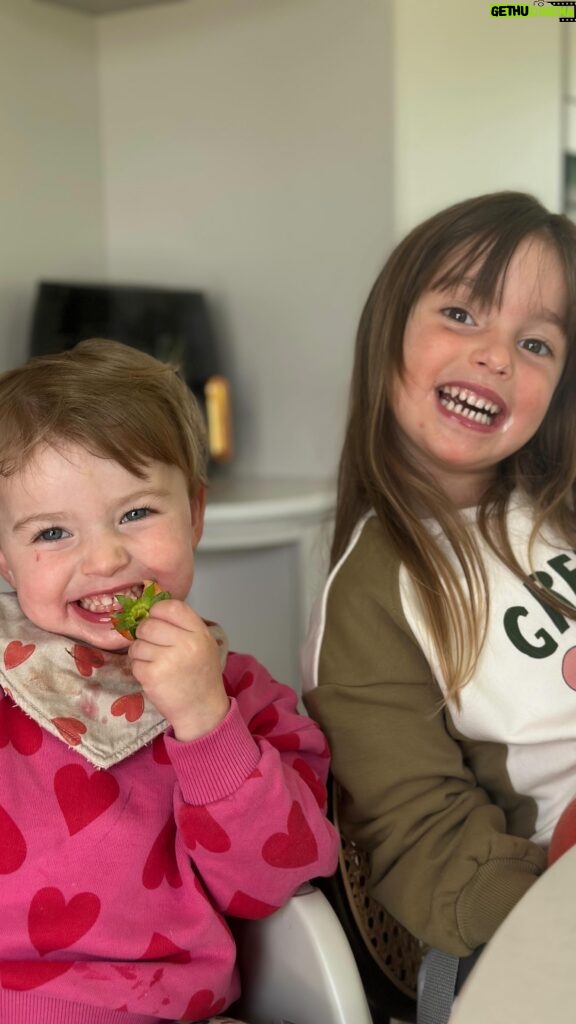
171, 325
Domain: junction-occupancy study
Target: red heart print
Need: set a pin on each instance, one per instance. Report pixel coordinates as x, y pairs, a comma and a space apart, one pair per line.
198, 826
162, 948
312, 780
244, 683
12, 844
87, 659
202, 1005
131, 705
23, 975
159, 752
54, 924
288, 741
161, 861
83, 797
17, 728
71, 729
292, 849
264, 721
243, 905
16, 653
325, 752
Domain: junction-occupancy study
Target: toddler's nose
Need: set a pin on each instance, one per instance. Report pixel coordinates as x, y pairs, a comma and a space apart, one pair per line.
104, 556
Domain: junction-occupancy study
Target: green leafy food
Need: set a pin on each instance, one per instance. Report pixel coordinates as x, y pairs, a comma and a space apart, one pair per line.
134, 609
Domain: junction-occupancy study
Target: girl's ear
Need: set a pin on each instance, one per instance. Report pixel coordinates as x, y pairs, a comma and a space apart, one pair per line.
197, 510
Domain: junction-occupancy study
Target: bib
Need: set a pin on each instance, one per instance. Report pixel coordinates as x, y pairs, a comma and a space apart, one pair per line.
86, 697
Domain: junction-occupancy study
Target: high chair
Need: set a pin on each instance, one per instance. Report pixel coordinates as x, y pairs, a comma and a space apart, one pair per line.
333, 955
403, 980
297, 967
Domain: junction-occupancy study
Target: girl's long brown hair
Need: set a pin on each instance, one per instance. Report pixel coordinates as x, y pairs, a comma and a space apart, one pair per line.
376, 472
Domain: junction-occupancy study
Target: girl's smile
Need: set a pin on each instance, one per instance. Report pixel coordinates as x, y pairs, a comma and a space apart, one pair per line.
77, 529
477, 382
480, 408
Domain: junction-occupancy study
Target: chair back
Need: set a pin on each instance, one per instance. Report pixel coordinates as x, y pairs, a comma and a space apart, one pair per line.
387, 955
296, 967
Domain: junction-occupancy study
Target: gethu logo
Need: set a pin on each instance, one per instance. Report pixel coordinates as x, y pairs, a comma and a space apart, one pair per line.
547, 8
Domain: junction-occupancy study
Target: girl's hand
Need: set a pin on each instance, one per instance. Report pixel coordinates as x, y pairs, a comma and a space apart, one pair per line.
177, 663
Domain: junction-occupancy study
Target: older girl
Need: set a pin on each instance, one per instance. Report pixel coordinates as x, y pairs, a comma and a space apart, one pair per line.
442, 658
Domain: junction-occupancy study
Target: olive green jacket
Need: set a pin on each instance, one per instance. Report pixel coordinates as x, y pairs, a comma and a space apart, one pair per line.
455, 808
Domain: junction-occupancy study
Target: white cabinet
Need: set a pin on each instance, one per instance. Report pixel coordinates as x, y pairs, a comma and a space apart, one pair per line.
261, 562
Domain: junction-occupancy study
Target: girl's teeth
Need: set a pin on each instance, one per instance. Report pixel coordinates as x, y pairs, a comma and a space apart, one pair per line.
466, 403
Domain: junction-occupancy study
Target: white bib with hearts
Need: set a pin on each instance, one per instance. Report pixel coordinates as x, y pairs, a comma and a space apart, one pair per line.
86, 697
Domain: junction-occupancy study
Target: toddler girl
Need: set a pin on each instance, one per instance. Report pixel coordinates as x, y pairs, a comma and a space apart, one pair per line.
148, 791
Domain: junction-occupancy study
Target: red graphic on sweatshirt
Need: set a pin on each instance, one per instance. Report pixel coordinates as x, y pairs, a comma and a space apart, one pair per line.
16, 653
131, 705
12, 844
54, 924
198, 826
16, 728
83, 797
159, 752
243, 905
312, 780
325, 752
161, 948
244, 683
294, 848
287, 741
202, 1005
161, 861
22, 976
569, 668
87, 659
265, 721
71, 729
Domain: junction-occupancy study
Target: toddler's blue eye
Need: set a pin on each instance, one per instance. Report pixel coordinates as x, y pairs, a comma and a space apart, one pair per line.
52, 533
135, 514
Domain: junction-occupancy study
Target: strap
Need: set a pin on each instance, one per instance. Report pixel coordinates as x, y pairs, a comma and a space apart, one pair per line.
436, 987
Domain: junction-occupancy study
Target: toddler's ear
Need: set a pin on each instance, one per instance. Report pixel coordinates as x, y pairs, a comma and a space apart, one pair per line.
197, 510
5, 571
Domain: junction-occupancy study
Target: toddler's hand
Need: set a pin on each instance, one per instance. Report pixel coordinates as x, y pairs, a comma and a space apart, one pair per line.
177, 663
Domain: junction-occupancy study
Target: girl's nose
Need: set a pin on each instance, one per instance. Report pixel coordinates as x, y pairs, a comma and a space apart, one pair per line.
104, 555
495, 356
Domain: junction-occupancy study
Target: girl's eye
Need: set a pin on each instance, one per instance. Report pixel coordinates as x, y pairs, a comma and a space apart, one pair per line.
536, 346
52, 533
135, 514
459, 315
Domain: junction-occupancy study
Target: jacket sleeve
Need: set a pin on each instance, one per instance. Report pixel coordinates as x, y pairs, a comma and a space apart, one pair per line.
250, 804
442, 861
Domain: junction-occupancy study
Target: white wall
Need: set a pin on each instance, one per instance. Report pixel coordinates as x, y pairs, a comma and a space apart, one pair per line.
477, 106
269, 151
50, 177
248, 151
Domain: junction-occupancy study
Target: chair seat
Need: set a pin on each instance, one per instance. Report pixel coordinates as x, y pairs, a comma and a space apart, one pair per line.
297, 966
